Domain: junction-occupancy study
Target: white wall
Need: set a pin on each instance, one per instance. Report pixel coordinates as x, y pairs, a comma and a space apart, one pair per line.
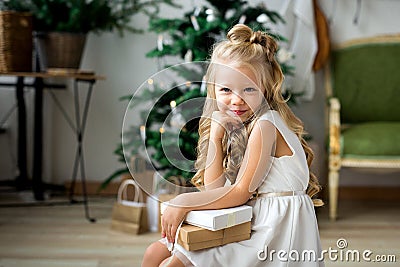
124, 63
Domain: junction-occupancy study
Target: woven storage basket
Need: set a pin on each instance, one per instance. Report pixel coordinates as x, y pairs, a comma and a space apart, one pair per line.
60, 49
15, 41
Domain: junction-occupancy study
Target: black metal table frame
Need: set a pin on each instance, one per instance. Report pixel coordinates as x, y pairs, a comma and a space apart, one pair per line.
78, 127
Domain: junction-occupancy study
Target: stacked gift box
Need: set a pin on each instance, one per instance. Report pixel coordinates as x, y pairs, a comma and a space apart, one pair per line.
194, 238
211, 228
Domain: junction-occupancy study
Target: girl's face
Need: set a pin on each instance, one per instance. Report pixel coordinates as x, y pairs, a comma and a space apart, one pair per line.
237, 90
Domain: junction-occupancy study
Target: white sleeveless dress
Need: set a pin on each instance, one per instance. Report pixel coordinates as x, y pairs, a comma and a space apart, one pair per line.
284, 228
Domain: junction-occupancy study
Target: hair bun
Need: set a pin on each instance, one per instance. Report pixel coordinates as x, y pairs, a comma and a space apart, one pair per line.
241, 33
258, 38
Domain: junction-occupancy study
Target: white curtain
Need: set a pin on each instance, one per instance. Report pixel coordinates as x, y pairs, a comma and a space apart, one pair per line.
300, 30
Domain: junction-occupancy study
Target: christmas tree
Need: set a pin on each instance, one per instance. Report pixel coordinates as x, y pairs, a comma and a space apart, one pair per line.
169, 134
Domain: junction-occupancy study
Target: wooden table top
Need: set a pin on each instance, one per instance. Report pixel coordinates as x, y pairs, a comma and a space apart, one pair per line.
81, 75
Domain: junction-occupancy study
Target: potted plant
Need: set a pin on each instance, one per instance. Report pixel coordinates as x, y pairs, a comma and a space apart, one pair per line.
62, 25
15, 36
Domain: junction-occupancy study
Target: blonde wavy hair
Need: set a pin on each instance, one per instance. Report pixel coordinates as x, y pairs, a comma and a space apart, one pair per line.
256, 51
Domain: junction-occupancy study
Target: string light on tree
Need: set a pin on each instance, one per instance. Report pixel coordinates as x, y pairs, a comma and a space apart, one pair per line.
150, 82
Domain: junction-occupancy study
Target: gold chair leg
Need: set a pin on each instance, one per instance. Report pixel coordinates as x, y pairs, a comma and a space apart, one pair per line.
334, 167
333, 193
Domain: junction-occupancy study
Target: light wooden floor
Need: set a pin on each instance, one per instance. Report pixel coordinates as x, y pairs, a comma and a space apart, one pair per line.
48, 236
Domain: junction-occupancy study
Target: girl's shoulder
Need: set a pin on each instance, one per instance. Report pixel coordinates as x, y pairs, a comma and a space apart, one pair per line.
271, 115
276, 119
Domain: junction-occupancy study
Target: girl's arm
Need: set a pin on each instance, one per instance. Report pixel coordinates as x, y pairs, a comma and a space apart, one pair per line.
256, 163
255, 166
214, 172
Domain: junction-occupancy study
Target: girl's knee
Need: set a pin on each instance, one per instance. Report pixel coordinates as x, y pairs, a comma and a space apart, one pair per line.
155, 254
154, 249
172, 261
150, 250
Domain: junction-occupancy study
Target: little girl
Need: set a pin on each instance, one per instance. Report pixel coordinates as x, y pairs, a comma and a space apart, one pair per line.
250, 151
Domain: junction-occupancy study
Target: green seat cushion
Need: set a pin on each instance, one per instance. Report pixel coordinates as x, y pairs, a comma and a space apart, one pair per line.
366, 80
374, 139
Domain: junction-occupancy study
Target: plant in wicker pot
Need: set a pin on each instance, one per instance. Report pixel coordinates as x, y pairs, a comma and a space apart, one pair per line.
15, 36
62, 25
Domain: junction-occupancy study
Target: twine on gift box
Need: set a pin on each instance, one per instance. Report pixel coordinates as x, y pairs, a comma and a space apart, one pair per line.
231, 219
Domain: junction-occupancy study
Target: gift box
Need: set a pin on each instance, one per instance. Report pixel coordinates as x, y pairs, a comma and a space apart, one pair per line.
194, 238
217, 219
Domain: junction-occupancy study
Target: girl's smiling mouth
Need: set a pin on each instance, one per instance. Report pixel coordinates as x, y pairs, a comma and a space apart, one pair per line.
239, 112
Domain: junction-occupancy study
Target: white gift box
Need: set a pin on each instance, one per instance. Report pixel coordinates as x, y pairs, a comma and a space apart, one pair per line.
215, 220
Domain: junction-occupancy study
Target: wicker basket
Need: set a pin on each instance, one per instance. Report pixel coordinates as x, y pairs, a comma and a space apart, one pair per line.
60, 50
15, 41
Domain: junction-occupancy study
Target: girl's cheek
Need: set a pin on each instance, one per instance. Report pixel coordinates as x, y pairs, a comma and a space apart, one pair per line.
254, 104
221, 105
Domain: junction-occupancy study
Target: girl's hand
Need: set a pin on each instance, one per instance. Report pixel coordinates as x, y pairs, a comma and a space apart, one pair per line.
222, 122
170, 221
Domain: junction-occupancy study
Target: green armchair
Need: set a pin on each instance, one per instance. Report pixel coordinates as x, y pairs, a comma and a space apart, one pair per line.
363, 89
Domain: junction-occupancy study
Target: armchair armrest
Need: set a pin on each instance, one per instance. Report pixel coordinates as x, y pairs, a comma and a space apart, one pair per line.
334, 126
334, 155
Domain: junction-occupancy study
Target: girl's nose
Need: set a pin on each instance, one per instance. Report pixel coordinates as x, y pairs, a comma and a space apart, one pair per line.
236, 99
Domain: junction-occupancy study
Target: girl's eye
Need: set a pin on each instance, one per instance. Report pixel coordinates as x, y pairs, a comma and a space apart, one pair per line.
249, 90
225, 90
